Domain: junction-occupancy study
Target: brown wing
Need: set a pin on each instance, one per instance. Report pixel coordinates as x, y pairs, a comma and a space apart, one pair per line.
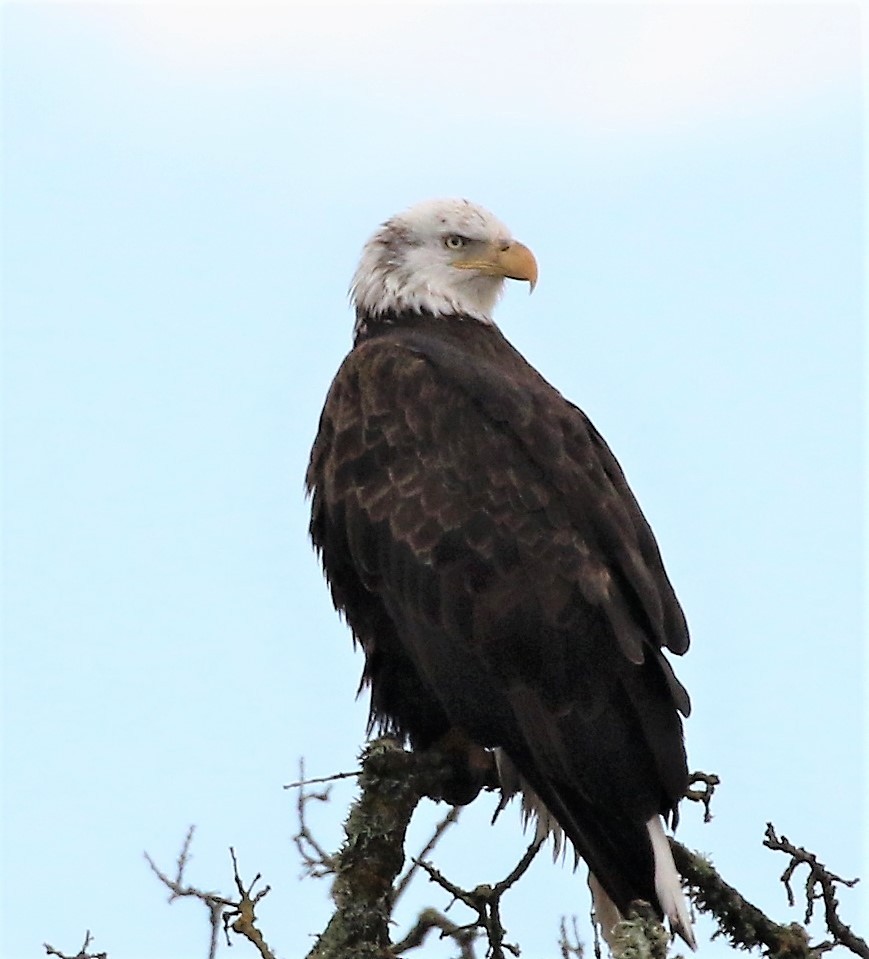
487, 552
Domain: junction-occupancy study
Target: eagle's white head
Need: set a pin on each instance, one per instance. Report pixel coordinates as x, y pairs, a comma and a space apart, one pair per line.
441, 257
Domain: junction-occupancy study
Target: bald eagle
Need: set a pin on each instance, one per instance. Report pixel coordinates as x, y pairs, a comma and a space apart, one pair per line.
492, 562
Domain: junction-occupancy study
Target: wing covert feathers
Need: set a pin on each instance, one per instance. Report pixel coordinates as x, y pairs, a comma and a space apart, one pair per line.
483, 543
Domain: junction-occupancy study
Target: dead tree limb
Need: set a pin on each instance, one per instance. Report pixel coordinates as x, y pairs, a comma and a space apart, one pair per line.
820, 887
429, 920
316, 862
81, 954
703, 794
485, 900
450, 819
392, 782
742, 923
221, 910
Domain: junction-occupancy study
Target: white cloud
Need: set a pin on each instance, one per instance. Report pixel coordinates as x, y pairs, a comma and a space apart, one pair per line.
604, 67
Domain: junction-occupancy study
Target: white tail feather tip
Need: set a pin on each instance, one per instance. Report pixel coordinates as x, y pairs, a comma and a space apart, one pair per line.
668, 885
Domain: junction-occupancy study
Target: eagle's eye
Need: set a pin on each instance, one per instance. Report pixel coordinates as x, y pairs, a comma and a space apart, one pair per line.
455, 242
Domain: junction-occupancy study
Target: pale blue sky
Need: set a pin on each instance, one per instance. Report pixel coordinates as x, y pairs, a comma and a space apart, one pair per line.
185, 193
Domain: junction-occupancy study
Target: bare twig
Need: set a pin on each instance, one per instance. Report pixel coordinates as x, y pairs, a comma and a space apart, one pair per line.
485, 900
592, 918
567, 948
448, 820
820, 887
243, 911
704, 794
320, 779
214, 903
316, 861
81, 954
430, 919
221, 910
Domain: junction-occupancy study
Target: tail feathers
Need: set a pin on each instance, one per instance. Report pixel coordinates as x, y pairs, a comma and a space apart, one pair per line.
606, 914
667, 886
546, 826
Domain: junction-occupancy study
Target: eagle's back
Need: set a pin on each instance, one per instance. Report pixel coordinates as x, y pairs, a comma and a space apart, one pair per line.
490, 558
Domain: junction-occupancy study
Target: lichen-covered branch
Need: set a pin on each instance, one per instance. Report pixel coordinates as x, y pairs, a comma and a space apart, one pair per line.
741, 922
641, 935
747, 927
392, 782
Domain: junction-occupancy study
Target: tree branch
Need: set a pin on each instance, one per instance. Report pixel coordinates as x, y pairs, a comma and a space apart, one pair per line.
485, 900
451, 817
820, 886
392, 782
704, 794
743, 924
243, 910
430, 919
219, 907
214, 903
316, 861
81, 954
570, 950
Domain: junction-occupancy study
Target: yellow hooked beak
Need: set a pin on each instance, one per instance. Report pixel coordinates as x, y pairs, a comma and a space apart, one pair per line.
512, 260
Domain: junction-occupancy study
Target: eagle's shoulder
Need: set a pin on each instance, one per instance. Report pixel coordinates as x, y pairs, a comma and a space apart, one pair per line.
429, 416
